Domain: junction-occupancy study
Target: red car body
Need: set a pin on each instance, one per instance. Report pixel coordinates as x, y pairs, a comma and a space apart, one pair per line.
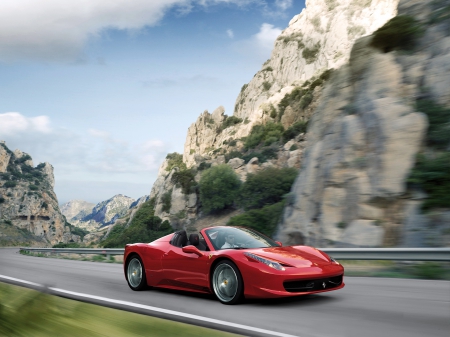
306, 270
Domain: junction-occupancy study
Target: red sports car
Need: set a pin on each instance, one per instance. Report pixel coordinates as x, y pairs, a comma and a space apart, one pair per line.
232, 263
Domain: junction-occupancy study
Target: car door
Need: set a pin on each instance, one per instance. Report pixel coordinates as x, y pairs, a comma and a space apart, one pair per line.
184, 270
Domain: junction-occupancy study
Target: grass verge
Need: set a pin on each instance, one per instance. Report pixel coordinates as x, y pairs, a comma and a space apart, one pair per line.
26, 312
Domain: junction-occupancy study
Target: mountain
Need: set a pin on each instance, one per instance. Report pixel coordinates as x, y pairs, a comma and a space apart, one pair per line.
93, 217
76, 209
29, 211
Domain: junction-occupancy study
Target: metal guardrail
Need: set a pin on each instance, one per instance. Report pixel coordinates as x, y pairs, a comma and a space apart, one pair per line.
100, 251
393, 254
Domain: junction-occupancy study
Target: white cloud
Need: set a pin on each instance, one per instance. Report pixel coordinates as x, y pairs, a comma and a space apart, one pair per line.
260, 45
230, 33
283, 4
267, 35
58, 30
13, 122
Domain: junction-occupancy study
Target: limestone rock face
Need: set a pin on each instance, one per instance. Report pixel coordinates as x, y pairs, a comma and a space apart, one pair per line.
317, 39
28, 199
362, 143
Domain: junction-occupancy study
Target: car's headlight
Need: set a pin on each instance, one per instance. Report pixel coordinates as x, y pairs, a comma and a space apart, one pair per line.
333, 260
270, 263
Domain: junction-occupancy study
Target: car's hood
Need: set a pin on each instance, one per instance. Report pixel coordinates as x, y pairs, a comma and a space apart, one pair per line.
296, 256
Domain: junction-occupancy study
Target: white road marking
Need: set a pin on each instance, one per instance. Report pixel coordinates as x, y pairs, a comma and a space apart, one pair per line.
156, 309
19, 280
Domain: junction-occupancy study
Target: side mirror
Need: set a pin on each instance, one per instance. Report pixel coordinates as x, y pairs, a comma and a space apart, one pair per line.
279, 242
192, 250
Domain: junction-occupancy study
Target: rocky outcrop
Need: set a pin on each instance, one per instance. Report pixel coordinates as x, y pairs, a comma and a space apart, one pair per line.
362, 144
317, 39
27, 199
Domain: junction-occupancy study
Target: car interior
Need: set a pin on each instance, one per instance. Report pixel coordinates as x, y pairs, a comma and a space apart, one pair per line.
180, 239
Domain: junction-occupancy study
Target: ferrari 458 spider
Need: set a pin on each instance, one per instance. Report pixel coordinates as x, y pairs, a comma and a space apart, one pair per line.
232, 263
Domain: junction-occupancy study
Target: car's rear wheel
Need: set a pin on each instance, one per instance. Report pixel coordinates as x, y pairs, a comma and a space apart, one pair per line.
136, 274
227, 282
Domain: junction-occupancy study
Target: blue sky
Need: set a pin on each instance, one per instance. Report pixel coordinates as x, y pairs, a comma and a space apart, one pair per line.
104, 89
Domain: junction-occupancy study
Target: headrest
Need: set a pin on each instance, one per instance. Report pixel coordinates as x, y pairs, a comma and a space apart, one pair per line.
193, 239
179, 239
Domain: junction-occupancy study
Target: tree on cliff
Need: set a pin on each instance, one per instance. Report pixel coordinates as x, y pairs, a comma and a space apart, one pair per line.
219, 187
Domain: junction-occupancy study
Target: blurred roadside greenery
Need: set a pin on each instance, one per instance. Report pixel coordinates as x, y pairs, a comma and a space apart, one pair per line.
145, 227
26, 312
397, 269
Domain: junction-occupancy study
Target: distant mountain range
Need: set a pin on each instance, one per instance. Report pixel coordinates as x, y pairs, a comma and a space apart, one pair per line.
93, 217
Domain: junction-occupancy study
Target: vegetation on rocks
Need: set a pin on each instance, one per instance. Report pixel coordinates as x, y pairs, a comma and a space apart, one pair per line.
401, 33
266, 187
166, 200
185, 179
219, 187
267, 134
432, 174
145, 227
229, 121
294, 130
438, 134
263, 220
310, 54
175, 160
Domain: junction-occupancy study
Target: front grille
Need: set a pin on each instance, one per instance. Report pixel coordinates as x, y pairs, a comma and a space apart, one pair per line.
313, 284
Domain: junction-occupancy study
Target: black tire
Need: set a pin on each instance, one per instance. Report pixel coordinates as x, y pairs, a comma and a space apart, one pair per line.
135, 273
226, 282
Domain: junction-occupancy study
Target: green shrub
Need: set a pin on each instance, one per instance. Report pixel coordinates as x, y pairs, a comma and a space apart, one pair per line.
44, 205
77, 230
310, 54
231, 155
10, 184
268, 69
401, 32
269, 133
244, 87
175, 160
266, 187
2, 200
219, 187
438, 134
429, 271
204, 166
232, 142
293, 147
306, 100
33, 187
229, 121
433, 175
185, 179
166, 200
266, 85
145, 227
263, 220
294, 130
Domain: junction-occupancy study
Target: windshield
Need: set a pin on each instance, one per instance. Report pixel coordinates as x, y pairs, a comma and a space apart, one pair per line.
238, 238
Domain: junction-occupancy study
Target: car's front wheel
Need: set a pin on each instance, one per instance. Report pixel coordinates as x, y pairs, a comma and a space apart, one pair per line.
227, 282
136, 274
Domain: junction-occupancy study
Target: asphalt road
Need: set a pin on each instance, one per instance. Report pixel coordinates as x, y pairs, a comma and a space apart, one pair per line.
365, 307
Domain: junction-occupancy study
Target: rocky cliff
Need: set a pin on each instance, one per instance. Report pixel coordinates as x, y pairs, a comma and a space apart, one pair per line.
363, 140
370, 107
27, 199
318, 39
